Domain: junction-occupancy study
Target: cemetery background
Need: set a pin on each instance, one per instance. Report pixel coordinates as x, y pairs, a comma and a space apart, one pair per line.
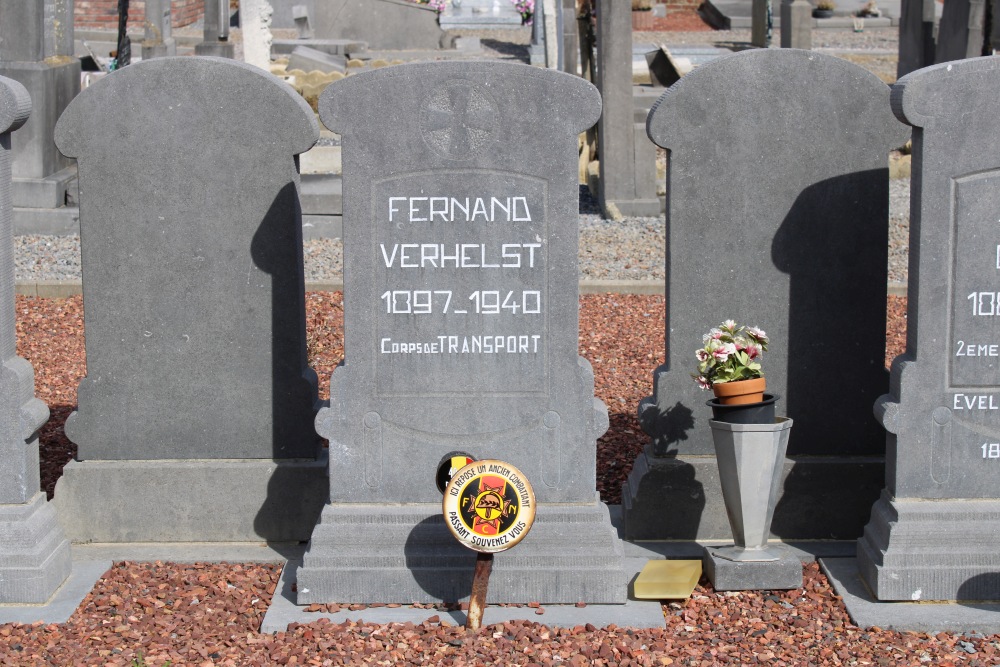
620, 335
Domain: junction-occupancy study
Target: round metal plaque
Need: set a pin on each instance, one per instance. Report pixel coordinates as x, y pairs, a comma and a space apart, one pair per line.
451, 463
489, 506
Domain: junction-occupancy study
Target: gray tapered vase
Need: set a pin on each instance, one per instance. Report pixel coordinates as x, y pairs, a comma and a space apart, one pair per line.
750, 458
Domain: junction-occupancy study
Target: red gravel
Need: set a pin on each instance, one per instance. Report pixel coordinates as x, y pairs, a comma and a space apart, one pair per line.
680, 19
621, 335
209, 614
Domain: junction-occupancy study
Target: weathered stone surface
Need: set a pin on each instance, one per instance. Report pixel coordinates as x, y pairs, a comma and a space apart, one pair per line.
941, 410
461, 320
34, 553
193, 292
778, 209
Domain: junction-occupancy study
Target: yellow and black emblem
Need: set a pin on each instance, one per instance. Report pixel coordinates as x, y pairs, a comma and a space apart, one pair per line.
489, 506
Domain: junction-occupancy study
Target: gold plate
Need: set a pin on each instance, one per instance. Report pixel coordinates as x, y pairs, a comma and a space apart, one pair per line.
667, 579
489, 506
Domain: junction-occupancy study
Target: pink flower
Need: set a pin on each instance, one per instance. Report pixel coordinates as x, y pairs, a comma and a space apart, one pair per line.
757, 333
703, 382
753, 350
702, 355
722, 353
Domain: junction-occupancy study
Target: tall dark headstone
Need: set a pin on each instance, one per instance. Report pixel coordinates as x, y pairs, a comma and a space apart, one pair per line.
916, 35
36, 50
34, 552
461, 326
617, 191
962, 31
777, 216
193, 292
933, 533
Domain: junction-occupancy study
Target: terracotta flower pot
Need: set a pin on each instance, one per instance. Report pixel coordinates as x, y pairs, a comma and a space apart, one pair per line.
740, 392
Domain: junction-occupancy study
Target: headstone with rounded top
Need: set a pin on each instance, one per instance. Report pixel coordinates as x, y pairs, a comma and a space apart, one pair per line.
778, 218
933, 533
193, 292
461, 332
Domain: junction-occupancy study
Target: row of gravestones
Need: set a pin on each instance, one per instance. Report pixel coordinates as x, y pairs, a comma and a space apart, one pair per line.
198, 420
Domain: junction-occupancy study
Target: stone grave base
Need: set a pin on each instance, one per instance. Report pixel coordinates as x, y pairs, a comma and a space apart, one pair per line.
34, 554
363, 553
232, 500
727, 575
680, 498
932, 549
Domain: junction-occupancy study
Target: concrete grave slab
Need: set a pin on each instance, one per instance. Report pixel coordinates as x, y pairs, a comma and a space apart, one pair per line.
308, 60
799, 159
474, 351
66, 599
933, 533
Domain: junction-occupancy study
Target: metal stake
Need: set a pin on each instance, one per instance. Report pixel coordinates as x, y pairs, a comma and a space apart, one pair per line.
480, 583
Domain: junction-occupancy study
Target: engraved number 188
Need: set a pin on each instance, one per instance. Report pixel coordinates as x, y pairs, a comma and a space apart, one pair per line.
991, 450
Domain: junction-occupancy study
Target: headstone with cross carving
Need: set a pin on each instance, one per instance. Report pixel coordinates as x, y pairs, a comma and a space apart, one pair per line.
460, 315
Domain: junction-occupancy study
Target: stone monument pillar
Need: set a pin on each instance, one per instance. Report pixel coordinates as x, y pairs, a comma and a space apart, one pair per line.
933, 533
796, 24
158, 41
961, 33
36, 50
615, 137
536, 52
216, 40
255, 20
34, 553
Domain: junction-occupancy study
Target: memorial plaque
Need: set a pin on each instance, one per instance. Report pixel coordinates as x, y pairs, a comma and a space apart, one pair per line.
489, 506
933, 533
461, 324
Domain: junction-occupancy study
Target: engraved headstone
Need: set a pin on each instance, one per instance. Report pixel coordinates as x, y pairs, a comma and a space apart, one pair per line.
461, 325
933, 533
36, 50
34, 553
778, 217
193, 290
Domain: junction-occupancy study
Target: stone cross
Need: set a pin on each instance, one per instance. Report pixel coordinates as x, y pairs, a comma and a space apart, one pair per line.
792, 238
34, 552
461, 333
194, 291
932, 534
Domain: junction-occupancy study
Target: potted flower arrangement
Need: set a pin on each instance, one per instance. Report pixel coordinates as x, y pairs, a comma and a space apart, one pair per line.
750, 443
729, 363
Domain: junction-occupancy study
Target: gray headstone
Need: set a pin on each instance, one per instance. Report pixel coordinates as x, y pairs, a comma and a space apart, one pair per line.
933, 533
461, 325
777, 217
962, 29
34, 553
617, 191
36, 49
193, 292
916, 35
158, 39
